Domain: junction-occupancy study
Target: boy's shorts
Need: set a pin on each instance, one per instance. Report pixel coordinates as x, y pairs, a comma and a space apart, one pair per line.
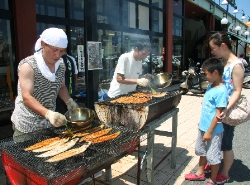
227, 140
210, 149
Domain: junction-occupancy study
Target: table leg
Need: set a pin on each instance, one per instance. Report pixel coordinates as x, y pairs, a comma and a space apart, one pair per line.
108, 174
139, 165
174, 141
150, 157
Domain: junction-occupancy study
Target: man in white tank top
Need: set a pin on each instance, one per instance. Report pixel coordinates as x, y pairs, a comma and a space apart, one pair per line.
41, 79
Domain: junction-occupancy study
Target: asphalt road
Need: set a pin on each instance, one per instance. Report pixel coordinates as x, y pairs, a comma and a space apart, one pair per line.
240, 170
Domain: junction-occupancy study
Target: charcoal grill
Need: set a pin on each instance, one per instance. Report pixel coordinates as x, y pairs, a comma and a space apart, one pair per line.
24, 167
144, 118
135, 116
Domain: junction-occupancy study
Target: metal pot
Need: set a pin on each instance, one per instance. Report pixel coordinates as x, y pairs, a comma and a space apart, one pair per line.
162, 80
80, 117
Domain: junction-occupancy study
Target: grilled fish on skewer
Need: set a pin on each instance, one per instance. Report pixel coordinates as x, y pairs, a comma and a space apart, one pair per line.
90, 131
52, 145
95, 135
69, 153
42, 143
105, 138
59, 149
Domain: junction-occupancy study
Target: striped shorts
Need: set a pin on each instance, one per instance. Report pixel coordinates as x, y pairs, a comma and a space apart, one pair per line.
211, 149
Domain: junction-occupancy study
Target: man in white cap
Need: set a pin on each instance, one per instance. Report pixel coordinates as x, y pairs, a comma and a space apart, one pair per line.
41, 79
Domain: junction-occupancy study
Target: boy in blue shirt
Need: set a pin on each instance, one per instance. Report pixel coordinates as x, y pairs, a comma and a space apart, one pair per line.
208, 144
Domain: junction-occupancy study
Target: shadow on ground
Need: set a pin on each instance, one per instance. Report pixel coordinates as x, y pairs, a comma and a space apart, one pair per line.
239, 172
162, 170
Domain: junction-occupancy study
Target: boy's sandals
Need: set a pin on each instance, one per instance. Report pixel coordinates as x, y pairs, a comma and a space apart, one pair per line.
220, 179
194, 177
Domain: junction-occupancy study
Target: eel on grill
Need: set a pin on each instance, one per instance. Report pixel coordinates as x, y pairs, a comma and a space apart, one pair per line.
105, 138
90, 131
60, 148
41, 144
52, 145
69, 153
95, 135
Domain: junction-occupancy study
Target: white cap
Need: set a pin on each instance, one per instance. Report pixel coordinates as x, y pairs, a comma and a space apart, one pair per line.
53, 36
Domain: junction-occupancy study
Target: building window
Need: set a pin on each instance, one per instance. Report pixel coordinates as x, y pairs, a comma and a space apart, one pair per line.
4, 5
108, 12
76, 9
145, 1
51, 7
176, 58
111, 49
177, 26
157, 62
6, 53
157, 18
143, 17
177, 7
42, 26
129, 14
157, 3
76, 38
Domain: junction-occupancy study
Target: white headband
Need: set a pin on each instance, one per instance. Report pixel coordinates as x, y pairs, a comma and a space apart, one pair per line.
54, 37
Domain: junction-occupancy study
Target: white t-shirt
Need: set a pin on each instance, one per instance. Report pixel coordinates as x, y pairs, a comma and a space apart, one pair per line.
130, 68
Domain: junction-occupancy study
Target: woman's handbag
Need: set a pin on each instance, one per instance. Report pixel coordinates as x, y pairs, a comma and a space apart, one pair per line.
239, 113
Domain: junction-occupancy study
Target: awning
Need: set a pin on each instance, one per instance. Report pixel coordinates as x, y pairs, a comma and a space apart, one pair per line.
234, 36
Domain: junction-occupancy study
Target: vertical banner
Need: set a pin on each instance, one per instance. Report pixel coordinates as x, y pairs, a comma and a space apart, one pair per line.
80, 51
94, 55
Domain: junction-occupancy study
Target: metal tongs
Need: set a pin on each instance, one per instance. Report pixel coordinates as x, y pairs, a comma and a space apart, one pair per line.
69, 131
151, 88
150, 82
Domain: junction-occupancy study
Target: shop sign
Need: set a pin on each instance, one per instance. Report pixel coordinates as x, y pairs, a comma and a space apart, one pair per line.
163, 50
80, 56
94, 55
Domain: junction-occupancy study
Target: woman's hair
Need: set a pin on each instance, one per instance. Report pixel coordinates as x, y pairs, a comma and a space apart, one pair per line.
221, 37
213, 64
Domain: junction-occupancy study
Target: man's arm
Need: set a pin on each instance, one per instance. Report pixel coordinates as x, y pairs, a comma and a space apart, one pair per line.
26, 79
121, 79
208, 134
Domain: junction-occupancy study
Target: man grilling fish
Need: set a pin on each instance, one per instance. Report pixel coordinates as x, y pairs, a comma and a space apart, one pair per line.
41, 79
128, 70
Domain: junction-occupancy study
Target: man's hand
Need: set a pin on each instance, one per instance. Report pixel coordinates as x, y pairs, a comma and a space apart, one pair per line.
55, 118
71, 104
207, 136
142, 82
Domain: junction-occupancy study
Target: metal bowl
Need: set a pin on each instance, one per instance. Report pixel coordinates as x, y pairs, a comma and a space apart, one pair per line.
80, 117
162, 80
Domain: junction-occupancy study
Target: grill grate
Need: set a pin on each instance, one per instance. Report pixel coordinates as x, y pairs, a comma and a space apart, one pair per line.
90, 159
154, 100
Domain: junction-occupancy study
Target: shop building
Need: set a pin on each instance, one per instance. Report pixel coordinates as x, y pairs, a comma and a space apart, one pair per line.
177, 30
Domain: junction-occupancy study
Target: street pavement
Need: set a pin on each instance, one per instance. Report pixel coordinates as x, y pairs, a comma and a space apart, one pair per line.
124, 171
